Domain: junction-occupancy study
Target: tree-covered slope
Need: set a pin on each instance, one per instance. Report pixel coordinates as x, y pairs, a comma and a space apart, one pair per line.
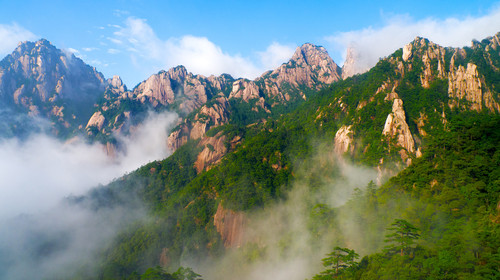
450, 195
429, 109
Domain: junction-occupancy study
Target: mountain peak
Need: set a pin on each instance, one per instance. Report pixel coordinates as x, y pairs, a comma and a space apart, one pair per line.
310, 54
57, 82
29, 46
354, 63
43, 41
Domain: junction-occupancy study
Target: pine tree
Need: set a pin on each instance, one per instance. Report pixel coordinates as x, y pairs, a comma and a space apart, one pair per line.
337, 262
403, 236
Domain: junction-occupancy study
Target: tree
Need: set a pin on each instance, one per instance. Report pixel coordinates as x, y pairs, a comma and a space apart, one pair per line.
186, 273
157, 273
403, 236
337, 262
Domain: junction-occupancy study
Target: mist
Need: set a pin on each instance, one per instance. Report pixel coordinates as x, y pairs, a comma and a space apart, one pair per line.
43, 232
288, 239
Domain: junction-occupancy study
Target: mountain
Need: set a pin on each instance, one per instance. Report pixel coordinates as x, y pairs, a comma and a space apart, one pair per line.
40, 81
252, 184
268, 176
207, 102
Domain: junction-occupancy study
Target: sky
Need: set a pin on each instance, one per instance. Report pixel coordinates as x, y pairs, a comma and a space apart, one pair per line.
135, 39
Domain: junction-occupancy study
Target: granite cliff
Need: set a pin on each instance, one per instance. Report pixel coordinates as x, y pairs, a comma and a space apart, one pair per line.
39, 80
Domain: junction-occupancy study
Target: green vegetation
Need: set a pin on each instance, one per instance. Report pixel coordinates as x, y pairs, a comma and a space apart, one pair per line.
436, 219
403, 237
341, 261
451, 193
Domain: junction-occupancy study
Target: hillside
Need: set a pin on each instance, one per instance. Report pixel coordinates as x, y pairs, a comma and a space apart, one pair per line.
269, 177
291, 187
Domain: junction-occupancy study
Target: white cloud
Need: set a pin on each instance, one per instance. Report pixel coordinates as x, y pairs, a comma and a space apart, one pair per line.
11, 35
119, 13
37, 173
113, 51
114, 40
275, 55
202, 56
198, 54
374, 43
73, 51
89, 49
35, 177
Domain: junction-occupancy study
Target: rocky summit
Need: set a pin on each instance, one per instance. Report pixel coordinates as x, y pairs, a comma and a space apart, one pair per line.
40, 80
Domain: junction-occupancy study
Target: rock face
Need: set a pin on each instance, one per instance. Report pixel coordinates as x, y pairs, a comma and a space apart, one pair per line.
175, 89
208, 116
230, 225
466, 87
464, 83
97, 120
396, 126
214, 150
46, 73
177, 86
308, 63
44, 81
116, 85
310, 67
343, 140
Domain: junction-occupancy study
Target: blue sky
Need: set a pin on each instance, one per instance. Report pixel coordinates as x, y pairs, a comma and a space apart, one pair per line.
135, 39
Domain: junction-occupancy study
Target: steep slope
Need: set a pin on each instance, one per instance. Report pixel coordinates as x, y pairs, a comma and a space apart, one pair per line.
40, 80
174, 90
427, 107
274, 93
208, 102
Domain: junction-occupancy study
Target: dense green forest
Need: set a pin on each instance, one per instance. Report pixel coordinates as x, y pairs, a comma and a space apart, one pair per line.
450, 198
438, 218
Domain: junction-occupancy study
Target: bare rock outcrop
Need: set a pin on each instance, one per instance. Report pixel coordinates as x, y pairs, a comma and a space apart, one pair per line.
214, 149
176, 86
466, 86
230, 225
97, 120
396, 126
343, 140
429, 53
208, 117
116, 85
245, 90
407, 54
175, 89
310, 67
465, 83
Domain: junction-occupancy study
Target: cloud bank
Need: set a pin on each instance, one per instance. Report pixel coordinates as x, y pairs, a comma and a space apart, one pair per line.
198, 54
46, 230
35, 174
374, 43
11, 35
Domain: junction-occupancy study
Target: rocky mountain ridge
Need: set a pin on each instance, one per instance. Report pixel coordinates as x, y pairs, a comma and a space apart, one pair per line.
464, 78
207, 102
40, 80
44, 81
309, 69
